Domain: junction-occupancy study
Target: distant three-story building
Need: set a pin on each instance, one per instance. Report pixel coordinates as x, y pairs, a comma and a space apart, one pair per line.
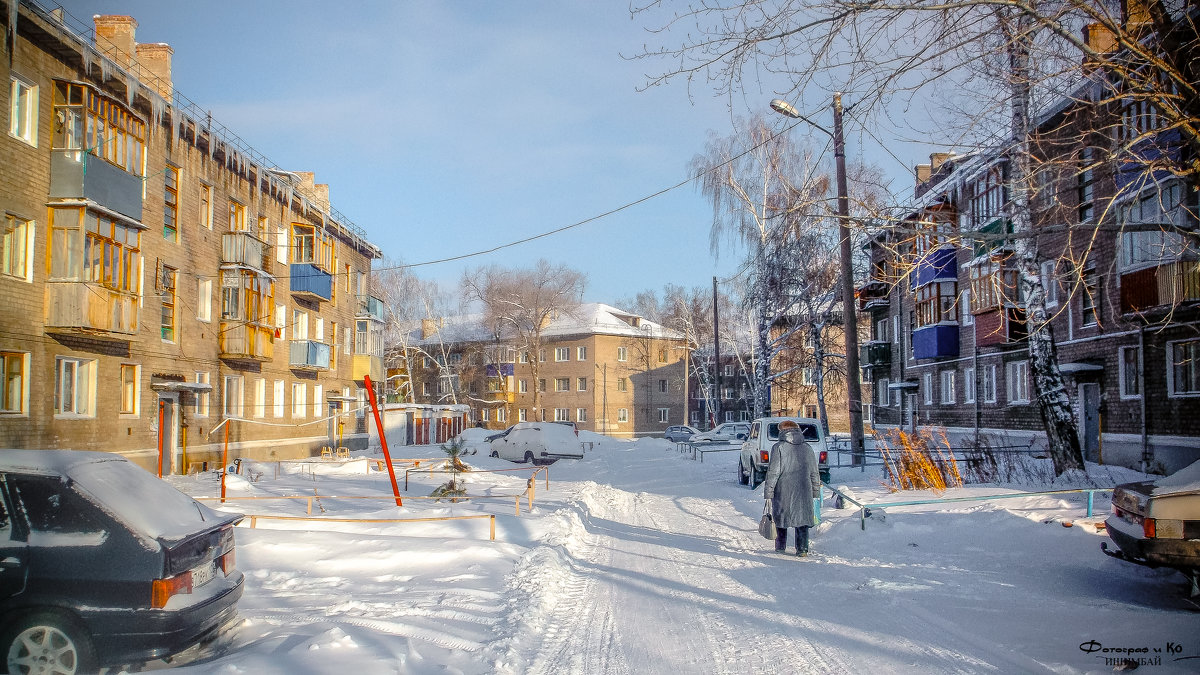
163, 283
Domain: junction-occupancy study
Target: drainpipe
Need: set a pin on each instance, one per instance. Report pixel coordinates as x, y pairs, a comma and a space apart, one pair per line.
1142, 389
975, 365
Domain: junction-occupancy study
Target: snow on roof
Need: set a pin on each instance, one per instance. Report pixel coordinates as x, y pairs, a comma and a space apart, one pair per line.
599, 318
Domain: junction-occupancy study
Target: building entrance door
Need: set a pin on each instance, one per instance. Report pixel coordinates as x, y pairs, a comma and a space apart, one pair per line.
168, 431
1089, 422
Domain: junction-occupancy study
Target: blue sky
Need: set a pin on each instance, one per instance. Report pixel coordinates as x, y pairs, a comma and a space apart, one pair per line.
445, 128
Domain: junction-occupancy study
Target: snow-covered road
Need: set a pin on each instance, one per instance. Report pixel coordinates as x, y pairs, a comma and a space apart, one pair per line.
638, 560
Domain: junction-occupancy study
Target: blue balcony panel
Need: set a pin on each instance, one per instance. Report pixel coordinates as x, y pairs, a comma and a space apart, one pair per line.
935, 342
939, 265
496, 370
311, 280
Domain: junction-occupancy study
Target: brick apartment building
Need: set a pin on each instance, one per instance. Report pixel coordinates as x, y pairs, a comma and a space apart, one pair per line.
604, 369
160, 277
948, 343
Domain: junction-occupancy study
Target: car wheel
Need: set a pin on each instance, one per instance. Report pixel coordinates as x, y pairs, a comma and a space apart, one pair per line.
755, 479
495, 454
47, 642
528, 457
743, 477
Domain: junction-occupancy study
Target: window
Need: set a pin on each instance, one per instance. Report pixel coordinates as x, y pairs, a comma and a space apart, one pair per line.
74, 387
22, 121
937, 303
622, 353
664, 414
524, 357
1183, 368
662, 386
304, 243
1147, 222
989, 384
542, 355
662, 354
562, 354
15, 247
111, 249
87, 120
278, 399
562, 415
581, 353
264, 229
521, 415
967, 317
318, 398
622, 414
281, 245
522, 386
300, 325
581, 383
1130, 370
501, 414
129, 389
948, 388
562, 384
928, 388
622, 384
882, 393
993, 284
237, 217
202, 396
542, 385
333, 343
171, 204
1084, 185
969, 385
986, 197
260, 397
13, 397
729, 393
581, 414
1018, 382
484, 415
729, 370
206, 208
204, 300
232, 396
728, 416
167, 285
1050, 283
1089, 298
300, 399
879, 331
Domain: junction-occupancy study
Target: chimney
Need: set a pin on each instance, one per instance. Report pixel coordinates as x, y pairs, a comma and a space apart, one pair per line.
115, 37
937, 159
924, 171
155, 59
429, 327
321, 195
306, 181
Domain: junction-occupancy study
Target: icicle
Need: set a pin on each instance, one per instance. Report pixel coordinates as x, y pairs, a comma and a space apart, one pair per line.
104, 69
131, 87
88, 55
10, 39
157, 106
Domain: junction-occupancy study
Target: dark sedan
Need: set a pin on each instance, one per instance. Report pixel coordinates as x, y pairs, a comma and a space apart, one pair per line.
102, 564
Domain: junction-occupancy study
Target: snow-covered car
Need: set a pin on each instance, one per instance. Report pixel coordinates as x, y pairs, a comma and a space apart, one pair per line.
1157, 523
537, 442
475, 439
764, 433
679, 433
728, 432
102, 564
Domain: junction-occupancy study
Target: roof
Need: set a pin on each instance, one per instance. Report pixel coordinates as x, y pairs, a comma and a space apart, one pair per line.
592, 318
55, 461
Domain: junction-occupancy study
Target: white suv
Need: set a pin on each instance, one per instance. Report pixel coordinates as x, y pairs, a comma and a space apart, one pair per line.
537, 442
764, 433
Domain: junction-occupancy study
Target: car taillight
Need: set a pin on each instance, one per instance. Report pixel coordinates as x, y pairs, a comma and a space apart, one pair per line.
161, 590
764, 456
824, 457
1148, 528
227, 562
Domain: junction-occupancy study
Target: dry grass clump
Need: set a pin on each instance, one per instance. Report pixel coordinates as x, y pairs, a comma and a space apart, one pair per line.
920, 461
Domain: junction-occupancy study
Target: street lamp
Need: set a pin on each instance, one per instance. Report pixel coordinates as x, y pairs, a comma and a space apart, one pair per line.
849, 315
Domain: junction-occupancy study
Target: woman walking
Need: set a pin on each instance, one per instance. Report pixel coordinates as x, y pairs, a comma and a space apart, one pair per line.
792, 484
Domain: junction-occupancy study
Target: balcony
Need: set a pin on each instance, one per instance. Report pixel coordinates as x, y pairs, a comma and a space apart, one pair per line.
1163, 286
240, 341
876, 355
370, 307
101, 182
1001, 326
310, 281
90, 308
872, 295
938, 265
939, 341
367, 364
243, 248
308, 355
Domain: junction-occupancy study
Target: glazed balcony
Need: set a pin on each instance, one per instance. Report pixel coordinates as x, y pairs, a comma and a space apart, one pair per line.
80, 175
872, 295
310, 281
243, 248
876, 355
90, 308
370, 307
1164, 286
308, 355
241, 341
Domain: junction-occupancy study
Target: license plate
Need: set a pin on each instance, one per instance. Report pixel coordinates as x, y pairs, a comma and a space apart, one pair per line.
203, 574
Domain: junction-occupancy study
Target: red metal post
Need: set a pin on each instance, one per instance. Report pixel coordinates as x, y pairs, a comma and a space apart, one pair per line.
387, 456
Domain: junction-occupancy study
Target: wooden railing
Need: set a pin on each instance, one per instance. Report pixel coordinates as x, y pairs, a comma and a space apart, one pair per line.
85, 306
240, 340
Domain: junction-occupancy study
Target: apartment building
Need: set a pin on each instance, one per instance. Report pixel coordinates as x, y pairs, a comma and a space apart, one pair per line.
949, 344
599, 367
167, 290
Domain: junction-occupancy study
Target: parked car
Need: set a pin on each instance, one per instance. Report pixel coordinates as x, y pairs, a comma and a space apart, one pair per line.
728, 432
764, 433
679, 433
537, 442
1157, 523
474, 439
571, 425
102, 564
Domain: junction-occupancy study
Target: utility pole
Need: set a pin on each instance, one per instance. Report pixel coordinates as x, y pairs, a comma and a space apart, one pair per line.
849, 311
716, 399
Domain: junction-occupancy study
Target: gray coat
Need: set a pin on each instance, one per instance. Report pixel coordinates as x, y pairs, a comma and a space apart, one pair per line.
792, 481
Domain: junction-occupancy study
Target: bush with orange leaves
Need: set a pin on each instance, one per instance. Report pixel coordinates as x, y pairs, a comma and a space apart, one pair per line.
920, 461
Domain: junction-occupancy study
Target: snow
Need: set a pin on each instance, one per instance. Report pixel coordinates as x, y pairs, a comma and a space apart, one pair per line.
638, 559
1186, 479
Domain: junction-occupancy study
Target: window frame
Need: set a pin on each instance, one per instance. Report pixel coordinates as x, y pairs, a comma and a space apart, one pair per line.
129, 404
233, 396
622, 415
168, 287
969, 384
23, 110
1016, 381
171, 203
664, 415
203, 398
16, 247
927, 388
1172, 365
947, 387
1123, 372
18, 377
562, 354
82, 387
